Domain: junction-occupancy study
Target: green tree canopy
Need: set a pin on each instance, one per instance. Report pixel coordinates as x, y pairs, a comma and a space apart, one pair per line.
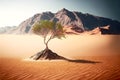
48, 30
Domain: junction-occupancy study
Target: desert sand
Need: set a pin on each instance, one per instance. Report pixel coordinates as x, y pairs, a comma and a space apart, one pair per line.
107, 68
93, 57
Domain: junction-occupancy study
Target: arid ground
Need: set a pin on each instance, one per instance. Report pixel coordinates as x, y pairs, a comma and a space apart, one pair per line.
92, 57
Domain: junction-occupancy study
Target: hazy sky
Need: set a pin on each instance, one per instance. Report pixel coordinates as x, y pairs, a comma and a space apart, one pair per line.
13, 12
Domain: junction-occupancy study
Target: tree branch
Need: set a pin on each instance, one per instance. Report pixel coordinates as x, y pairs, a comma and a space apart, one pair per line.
45, 38
49, 39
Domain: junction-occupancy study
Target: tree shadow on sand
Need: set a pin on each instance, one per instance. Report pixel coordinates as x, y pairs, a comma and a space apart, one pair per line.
47, 54
83, 61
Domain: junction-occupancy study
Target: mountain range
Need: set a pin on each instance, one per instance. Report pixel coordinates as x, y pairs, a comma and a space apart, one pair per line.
73, 21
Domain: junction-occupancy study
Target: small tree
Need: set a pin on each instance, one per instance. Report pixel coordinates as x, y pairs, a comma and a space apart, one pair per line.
48, 30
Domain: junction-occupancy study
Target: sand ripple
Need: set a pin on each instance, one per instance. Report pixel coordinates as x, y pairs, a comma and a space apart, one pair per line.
16, 69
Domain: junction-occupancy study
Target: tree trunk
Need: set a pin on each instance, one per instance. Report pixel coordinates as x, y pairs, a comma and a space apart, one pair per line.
46, 53
46, 46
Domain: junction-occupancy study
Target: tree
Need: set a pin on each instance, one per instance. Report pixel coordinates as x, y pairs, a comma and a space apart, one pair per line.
48, 30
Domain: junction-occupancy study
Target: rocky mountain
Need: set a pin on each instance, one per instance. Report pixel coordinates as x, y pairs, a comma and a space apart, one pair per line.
75, 22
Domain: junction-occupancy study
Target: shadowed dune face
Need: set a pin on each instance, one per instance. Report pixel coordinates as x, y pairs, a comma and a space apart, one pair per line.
72, 46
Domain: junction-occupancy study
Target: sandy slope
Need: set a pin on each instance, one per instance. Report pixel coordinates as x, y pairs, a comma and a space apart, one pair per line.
73, 45
85, 49
108, 68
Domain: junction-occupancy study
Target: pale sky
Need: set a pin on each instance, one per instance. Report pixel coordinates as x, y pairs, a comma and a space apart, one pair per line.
13, 12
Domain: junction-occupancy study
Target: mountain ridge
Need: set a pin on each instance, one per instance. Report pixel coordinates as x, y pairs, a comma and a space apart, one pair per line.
76, 21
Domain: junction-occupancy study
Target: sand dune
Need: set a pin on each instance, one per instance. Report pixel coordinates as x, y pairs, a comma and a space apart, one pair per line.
16, 69
74, 45
93, 57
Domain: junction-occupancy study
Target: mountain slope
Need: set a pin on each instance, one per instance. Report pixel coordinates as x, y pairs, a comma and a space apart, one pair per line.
76, 21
